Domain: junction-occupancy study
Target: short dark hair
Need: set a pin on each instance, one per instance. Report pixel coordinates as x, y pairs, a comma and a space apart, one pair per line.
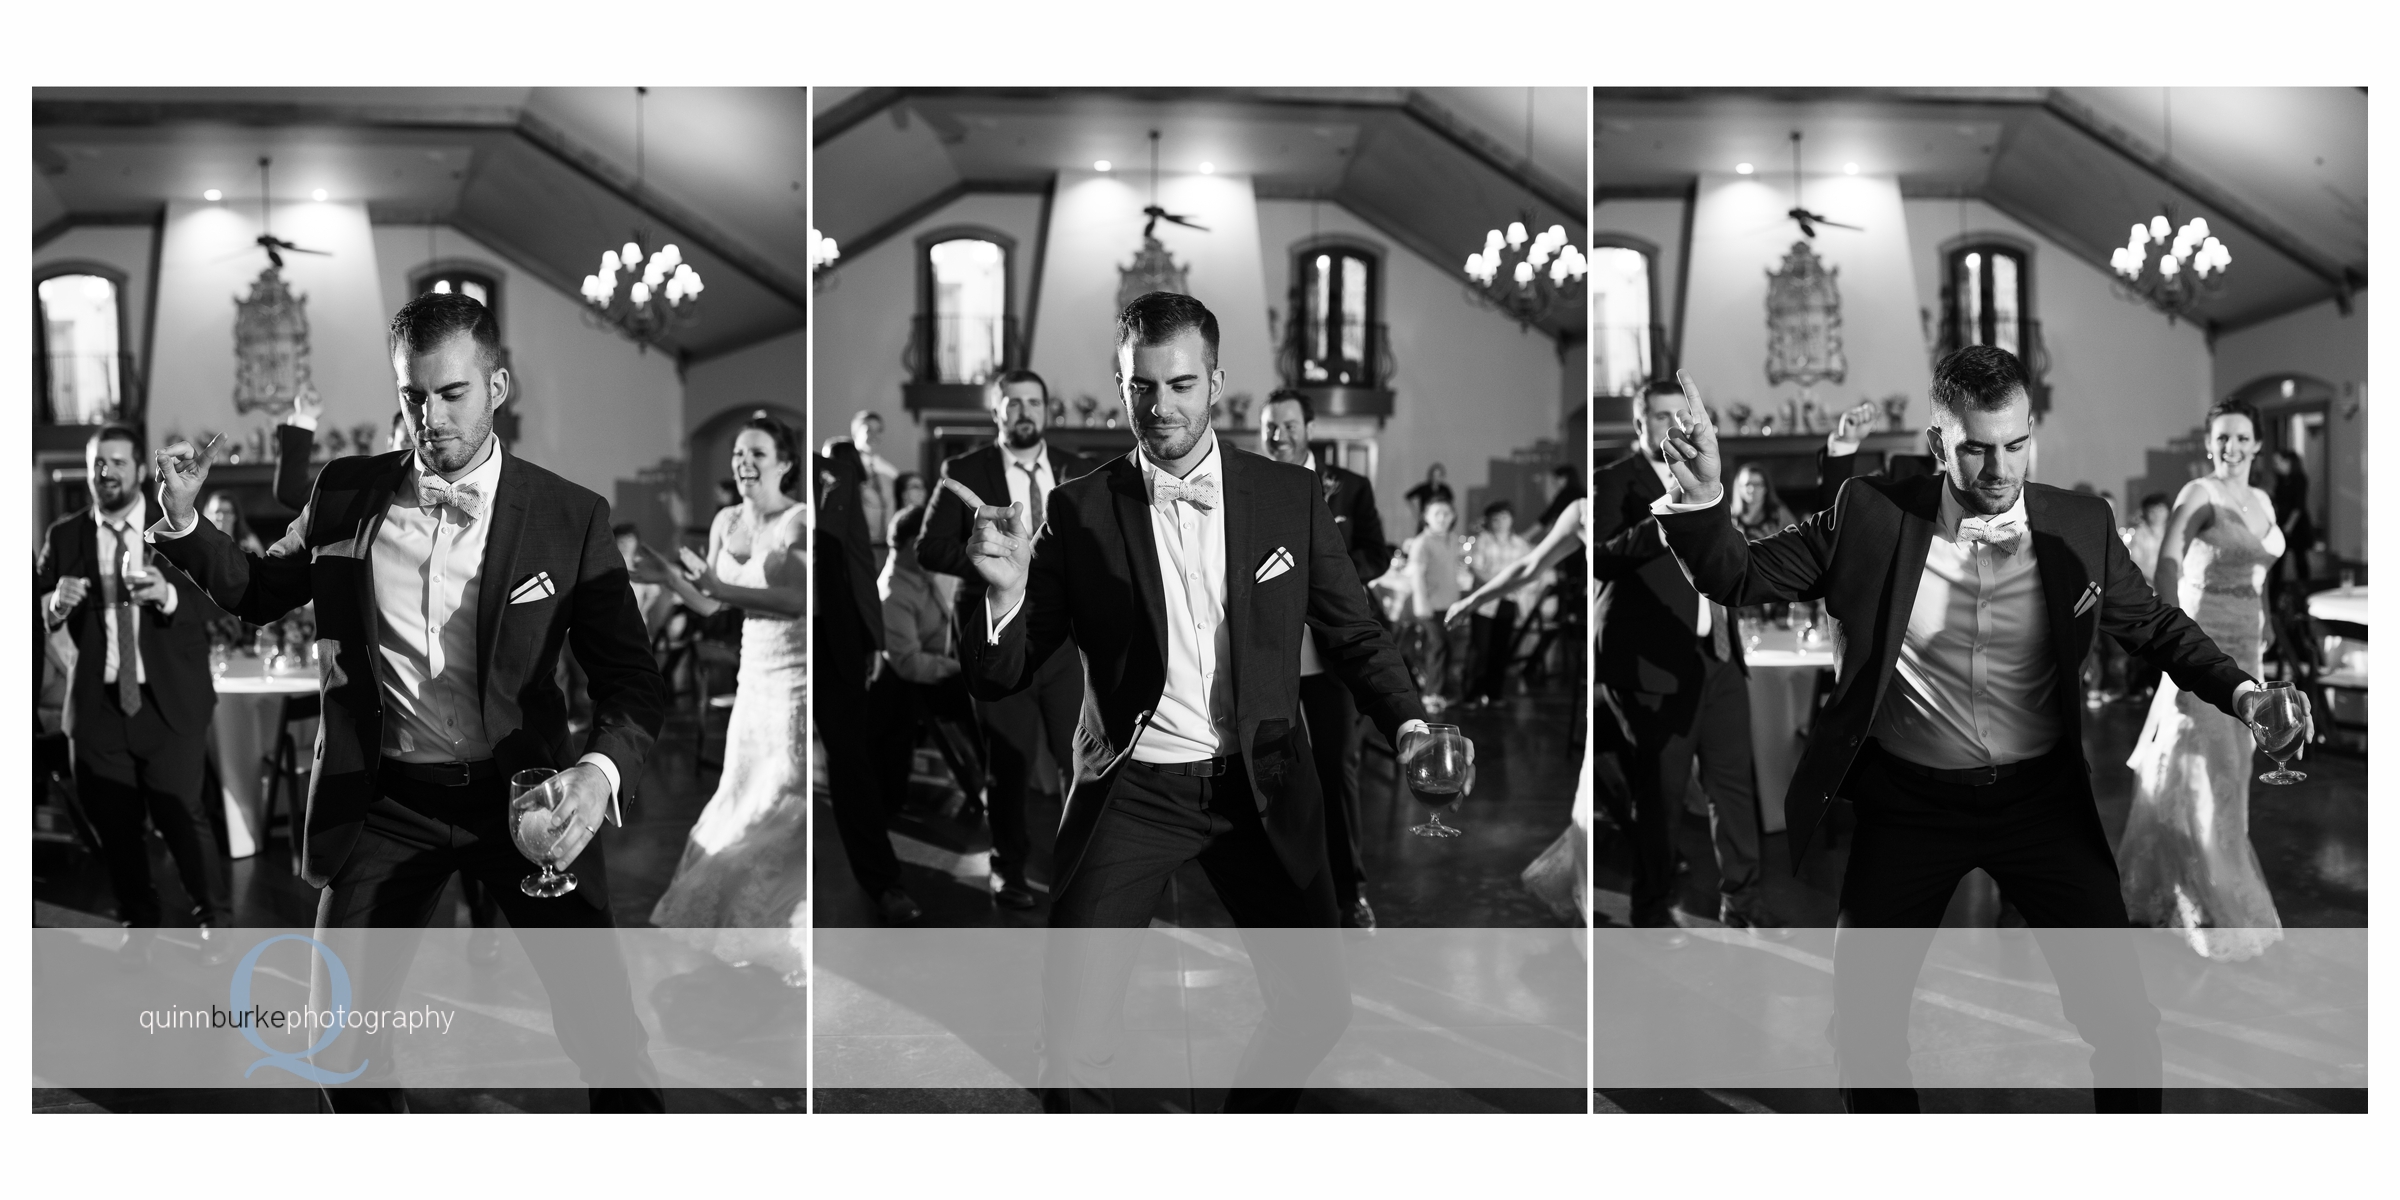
2234, 408
991, 391
1976, 379
785, 446
906, 525
1308, 407
1161, 317
1656, 387
2157, 498
1498, 506
624, 529
118, 431
866, 414
436, 317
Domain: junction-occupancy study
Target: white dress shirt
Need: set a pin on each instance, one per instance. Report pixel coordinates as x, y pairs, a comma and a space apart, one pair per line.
115, 534
424, 564
1021, 488
1194, 718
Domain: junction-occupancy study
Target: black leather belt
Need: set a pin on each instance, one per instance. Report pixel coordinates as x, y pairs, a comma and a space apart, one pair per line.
1204, 768
444, 774
1984, 776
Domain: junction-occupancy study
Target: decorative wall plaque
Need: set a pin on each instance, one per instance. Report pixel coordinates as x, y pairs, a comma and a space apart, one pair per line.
1153, 270
270, 346
1804, 321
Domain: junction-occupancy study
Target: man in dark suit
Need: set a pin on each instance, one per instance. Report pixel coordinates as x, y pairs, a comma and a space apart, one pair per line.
1187, 573
848, 635
1966, 602
1333, 732
445, 580
1020, 468
138, 709
1671, 675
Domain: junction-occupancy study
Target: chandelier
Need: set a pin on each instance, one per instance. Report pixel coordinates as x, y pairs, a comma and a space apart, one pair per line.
1529, 276
823, 254
666, 292
2187, 273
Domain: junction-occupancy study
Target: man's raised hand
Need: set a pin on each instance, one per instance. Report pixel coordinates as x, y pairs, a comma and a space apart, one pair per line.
1001, 548
181, 472
1691, 450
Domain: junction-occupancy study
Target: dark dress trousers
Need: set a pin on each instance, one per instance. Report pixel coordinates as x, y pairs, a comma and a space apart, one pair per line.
145, 764
1256, 825
1333, 729
848, 618
382, 845
2037, 831
1672, 696
1015, 727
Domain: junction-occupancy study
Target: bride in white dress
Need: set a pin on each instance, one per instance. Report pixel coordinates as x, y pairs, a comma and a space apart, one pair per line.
2186, 861
741, 889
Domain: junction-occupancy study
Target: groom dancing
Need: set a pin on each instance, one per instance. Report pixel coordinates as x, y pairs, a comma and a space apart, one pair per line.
446, 578
1967, 600
1187, 573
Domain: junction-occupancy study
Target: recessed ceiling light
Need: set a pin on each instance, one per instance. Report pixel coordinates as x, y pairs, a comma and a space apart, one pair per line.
317, 195
1101, 165
1849, 168
212, 195
1208, 168
1743, 168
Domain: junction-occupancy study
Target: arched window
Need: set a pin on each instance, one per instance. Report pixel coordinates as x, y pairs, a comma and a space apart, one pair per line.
80, 361
466, 281
966, 321
1991, 297
1625, 346
1338, 310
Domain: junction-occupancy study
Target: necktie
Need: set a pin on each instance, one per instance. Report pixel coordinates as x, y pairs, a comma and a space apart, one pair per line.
1200, 493
129, 646
1718, 643
2000, 533
1033, 496
465, 498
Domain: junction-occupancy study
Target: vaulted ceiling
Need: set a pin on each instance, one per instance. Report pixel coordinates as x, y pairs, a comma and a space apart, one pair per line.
546, 176
1432, 168
2280, 173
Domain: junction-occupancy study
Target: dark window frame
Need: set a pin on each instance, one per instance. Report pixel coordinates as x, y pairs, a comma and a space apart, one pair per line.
421, 281
1374, 367
1662, 364
132, 408
1953, 335
924, 348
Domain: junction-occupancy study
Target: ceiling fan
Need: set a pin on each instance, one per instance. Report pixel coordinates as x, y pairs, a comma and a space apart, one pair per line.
1799, 211
1152, 210
266, 239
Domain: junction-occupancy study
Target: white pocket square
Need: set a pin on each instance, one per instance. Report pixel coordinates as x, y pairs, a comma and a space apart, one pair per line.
2091, 596
1276, 564
537, 587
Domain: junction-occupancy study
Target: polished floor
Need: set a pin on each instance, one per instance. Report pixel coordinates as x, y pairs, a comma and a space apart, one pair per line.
70, 888
2311, 840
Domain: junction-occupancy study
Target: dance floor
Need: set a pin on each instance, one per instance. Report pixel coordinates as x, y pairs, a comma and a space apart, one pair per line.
2311, 840
71, 888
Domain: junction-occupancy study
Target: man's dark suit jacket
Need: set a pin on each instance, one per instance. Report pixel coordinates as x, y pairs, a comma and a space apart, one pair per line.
942, 545
1648, 611
1095, 579
845, 554
1352, 499
540, 523
1864, 556
174, 648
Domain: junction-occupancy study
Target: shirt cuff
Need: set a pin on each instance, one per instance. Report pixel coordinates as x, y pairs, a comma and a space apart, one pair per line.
616, 815
2239, 690
164, 528
173, 597
302, 421
993, 625
1668, 504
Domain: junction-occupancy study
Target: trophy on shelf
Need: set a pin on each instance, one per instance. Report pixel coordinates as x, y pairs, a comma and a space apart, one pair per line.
1895, 411
1741, 415
1056, 410
1085, 405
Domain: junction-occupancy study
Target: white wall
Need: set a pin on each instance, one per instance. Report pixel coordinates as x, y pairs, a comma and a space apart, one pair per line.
860, 316
127, 249
591, 405
771, 372
1470, 385
2320, 342
2123, 381
1095, 228
207, 262
1660, 223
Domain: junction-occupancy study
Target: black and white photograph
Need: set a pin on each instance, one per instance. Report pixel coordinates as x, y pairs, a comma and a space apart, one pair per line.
1182, 457
1980, 493
421, 582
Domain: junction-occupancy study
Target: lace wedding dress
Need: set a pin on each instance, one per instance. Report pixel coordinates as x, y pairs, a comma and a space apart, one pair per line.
2186, 860
741, 890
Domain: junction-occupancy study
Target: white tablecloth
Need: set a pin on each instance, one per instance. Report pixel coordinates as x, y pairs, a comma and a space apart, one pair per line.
1783, 680
2348, 605
249, 705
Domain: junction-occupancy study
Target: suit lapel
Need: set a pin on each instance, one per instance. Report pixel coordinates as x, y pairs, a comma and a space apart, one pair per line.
1918, 513
2063, 579
373, 501
1141, 552
507, 515
1244, 544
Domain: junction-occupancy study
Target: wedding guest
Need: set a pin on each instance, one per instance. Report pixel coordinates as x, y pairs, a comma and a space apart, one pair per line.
1436, 486
656, 600
1436, 575
226, 515
1492, 631
1757, 510
847, 617
909, 491
139, 706
876, 479
920, 641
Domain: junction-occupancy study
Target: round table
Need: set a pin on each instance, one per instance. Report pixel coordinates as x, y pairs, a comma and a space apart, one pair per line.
2346, 605
249, 715
1783, 688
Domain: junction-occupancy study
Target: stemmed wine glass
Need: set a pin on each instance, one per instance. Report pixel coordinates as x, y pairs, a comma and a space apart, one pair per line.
527, 797
1439, 768
2278, 727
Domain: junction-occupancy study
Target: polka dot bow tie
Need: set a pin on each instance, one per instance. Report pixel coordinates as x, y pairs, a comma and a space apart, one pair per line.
1999, 533
1200, 493
467, 498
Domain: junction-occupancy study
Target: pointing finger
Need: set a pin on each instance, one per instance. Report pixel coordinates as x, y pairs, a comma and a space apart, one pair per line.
1694, 412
